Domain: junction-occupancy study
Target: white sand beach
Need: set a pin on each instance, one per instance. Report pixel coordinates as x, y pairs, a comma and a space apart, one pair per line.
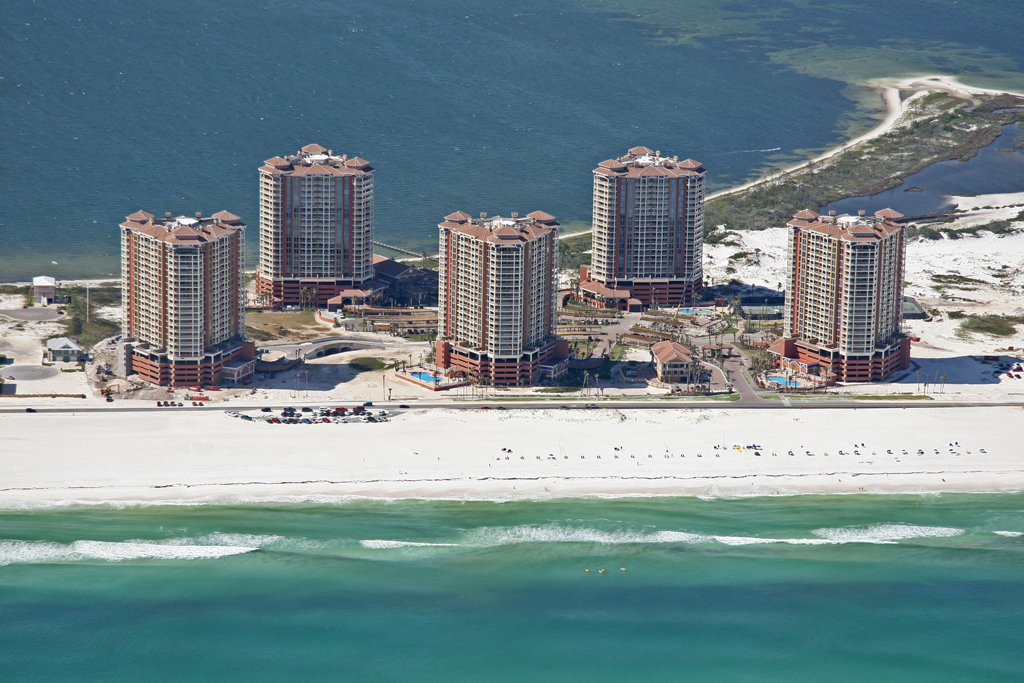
148, 456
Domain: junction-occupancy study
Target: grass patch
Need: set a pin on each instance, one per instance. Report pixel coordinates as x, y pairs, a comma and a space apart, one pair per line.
369, 364
571, 252
265, 326
890, 397
995, 325
88, 334
955, 315
960, 281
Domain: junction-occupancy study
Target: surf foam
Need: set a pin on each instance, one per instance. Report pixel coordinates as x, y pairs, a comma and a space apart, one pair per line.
380, 544
885, 533
43, 552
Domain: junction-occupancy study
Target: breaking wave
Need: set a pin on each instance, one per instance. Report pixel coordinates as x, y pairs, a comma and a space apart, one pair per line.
885, 533
377, 544
752, 151
1009, 534
878, 534
493, 536
42, 552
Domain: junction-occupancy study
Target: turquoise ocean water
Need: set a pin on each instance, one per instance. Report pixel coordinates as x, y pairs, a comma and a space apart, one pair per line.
109, 106
852, 588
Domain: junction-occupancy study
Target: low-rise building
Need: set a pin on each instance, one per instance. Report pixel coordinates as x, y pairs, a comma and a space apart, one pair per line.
43, 289
673, 363
64, 350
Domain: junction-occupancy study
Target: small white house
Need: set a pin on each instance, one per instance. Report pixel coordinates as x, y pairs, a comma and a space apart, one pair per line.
43, 289
64, 350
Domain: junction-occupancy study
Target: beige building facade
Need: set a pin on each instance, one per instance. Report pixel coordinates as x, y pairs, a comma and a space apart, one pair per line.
183, 293
648, 218
316, 226
496, 297
844, 292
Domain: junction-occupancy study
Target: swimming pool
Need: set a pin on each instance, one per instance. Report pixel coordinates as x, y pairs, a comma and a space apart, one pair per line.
427, 377
782, 381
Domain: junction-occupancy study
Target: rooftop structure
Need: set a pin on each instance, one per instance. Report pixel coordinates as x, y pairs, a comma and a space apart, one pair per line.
496, 298
844, 291
648, 230
183, 296
316, 226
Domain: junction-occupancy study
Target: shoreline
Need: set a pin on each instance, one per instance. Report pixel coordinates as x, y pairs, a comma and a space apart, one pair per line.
890, 90
206, 458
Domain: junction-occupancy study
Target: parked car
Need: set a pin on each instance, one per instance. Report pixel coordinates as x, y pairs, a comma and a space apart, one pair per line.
368, 403
404, 406
30, 410
266, 410
307, 409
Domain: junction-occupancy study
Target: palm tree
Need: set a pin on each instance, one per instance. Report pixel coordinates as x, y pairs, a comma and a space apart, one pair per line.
942, 386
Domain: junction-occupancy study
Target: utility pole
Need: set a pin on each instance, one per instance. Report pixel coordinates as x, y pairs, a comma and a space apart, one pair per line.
87, 303
383, 386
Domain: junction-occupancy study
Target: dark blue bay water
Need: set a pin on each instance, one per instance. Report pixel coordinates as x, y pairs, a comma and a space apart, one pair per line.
855, 588
990, 172
108, 106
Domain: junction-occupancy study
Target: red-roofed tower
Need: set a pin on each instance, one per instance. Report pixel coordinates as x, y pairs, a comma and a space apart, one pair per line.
184, 299
648, 230
844, 296
496, 298
316, 226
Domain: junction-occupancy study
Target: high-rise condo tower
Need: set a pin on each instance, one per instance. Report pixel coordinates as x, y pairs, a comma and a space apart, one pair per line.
496, 298
183, 293
316, 227
648, 231
844, 293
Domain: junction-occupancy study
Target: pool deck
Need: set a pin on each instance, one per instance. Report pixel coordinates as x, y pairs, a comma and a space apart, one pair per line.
444, 384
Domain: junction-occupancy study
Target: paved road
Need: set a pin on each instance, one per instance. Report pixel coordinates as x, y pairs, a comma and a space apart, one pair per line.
310, 348
35, 313
28, 372
498, 404
736, 364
